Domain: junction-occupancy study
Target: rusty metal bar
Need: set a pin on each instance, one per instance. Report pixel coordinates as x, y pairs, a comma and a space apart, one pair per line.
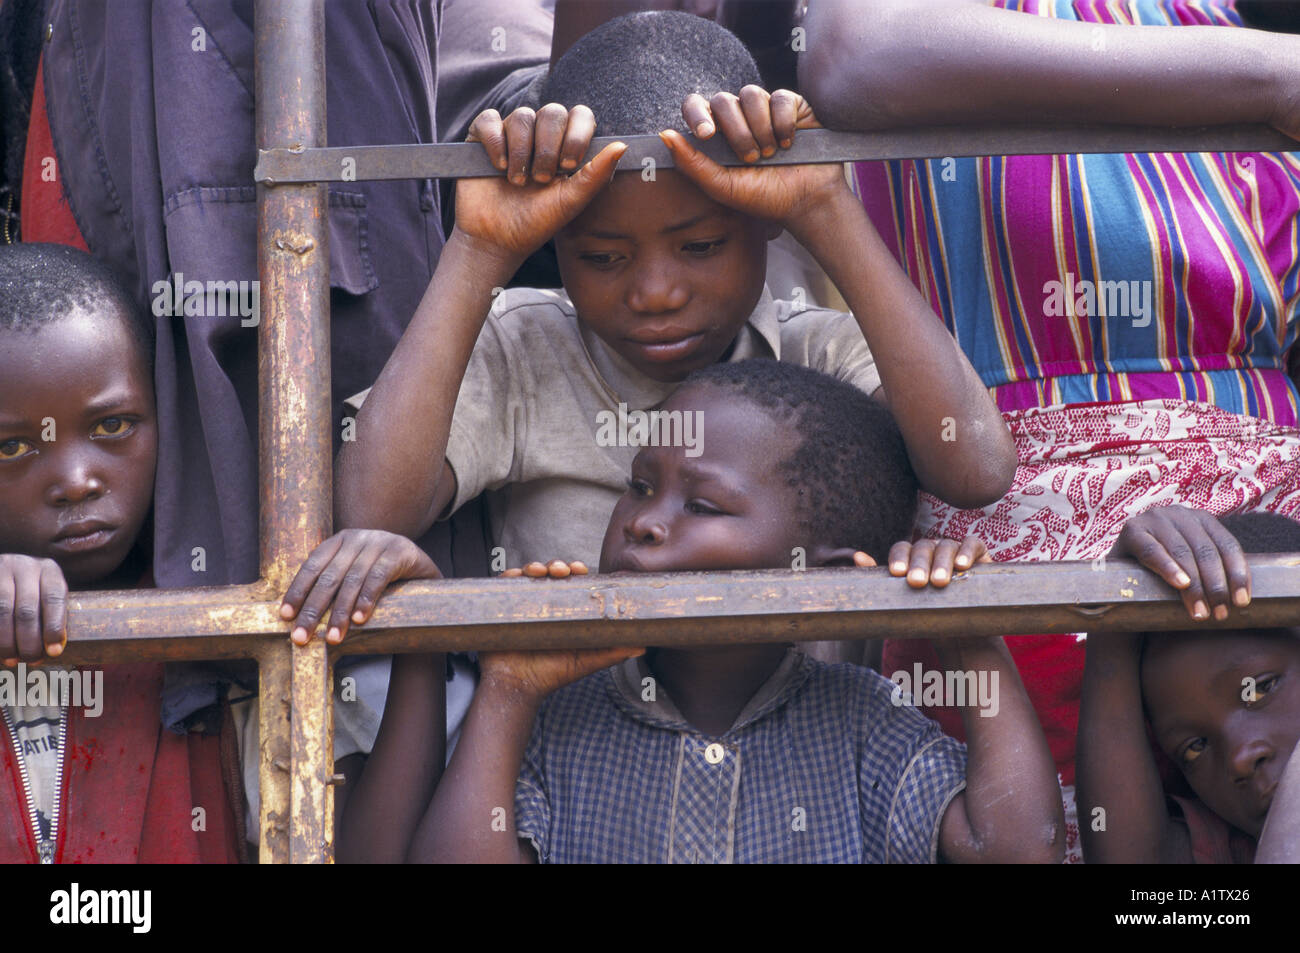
294, 429
451, 160
673, 609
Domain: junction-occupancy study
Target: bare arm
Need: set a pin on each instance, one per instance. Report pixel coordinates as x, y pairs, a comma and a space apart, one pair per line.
873, 64
1011, 809
1115, 770
458, 826
393, 476
384, 479
379, 817
472, 816
956, 439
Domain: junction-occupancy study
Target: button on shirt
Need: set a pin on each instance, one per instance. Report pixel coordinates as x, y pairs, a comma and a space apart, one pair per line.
820, 767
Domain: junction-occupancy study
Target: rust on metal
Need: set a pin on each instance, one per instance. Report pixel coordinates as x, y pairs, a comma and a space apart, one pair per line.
294, 442
449, 160
273, 726
674, 609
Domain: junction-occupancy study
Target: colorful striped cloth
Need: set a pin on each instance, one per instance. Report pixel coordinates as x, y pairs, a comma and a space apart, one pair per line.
1073, 279
1131, 315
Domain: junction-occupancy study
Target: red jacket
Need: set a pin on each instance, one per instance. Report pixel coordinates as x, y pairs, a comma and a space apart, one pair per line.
130, 786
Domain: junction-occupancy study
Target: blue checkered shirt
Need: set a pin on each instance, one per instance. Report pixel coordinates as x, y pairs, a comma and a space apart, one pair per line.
820, 767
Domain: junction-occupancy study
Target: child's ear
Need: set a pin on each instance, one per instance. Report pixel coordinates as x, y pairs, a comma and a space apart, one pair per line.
831, 556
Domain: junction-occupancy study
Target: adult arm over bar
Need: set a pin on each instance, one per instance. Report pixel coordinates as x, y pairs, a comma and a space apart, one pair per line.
875, 64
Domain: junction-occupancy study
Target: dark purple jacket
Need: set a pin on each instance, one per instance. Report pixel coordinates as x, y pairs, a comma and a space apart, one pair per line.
155, 141
151, 110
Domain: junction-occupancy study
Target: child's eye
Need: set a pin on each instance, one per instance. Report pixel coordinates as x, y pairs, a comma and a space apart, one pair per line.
703, 248
600, 259
702, 509
112, 427
14, 448
1263, 685
640, 487
1192, 751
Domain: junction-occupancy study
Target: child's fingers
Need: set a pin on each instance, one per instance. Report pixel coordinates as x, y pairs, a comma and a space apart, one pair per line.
941, 563
698, 116
604, 658
327, 583
756, 104
488, 129
306, 577
548, 141
1154, 554
918, 572
366, 579
27, 611
582, 186
54, 608
557, 569
730, 118
1209, 564
699, 168
899, 554
577, 137
864, 561
513, 572
578, 567
1234, 560
1160, 543
519, 143
785, 115
970, 552
535, 570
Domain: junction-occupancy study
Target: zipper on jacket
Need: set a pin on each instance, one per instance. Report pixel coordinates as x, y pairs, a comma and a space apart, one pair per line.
44, 845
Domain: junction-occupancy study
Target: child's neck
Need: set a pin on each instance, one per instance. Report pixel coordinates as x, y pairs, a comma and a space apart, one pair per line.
711, 686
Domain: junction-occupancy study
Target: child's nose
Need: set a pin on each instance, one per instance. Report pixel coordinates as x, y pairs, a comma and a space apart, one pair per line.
646, 527
1247, 755
75, 483
656, 289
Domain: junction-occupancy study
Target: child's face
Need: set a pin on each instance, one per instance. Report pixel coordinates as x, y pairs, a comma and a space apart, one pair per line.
727, 508
1232, 750
81, 497
662, 274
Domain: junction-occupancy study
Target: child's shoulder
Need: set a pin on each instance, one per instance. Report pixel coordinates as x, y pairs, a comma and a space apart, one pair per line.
826, 340
531, 304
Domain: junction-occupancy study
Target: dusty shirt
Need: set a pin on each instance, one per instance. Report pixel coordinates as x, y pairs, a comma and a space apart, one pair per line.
540, 403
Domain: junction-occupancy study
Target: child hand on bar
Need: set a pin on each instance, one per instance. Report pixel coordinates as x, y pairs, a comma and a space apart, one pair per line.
345, 576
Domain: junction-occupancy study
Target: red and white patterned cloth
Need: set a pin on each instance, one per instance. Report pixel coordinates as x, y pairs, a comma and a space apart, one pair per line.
1085, 469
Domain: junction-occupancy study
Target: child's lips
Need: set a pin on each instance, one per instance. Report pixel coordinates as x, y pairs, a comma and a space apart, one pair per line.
669, 346
84, 537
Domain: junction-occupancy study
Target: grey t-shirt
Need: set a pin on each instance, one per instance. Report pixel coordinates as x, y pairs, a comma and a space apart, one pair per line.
531, 422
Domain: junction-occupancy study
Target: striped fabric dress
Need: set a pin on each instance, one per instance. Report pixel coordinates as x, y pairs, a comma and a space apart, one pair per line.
1132, 316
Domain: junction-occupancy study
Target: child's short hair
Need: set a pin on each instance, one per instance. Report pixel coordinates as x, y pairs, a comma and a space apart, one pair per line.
1264, 532
635, 71
40, 283
854, 482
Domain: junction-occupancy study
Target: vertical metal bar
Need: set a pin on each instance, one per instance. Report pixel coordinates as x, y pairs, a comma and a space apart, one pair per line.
273, 679
294, 403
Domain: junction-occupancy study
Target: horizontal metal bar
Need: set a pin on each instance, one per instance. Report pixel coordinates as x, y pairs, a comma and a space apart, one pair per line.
674, 609
467, 159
